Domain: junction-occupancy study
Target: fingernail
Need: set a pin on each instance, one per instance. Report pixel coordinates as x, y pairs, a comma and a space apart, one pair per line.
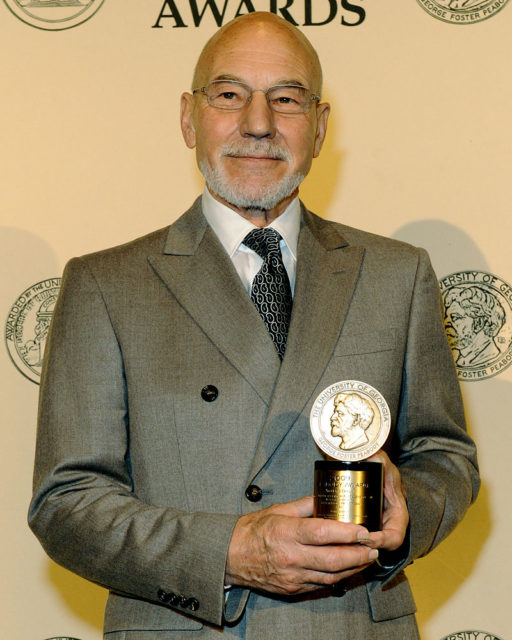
374, 554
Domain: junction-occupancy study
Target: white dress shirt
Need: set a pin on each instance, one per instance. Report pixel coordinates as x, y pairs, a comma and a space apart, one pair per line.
231, 229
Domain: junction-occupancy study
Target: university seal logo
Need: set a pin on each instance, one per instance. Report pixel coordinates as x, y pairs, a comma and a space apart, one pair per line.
54, 15
478, 323
27, 326
462, 11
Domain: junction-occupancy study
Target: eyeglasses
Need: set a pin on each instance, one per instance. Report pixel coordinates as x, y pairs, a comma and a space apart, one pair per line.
232, 95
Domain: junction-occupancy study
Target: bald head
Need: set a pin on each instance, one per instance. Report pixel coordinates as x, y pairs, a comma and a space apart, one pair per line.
251, 28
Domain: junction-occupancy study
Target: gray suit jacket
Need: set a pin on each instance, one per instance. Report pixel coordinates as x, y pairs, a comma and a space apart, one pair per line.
139, 481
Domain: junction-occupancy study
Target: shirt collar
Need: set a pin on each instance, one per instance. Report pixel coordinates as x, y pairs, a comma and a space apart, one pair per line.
231, 228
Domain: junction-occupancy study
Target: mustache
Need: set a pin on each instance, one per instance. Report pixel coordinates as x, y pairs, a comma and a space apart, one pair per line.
265, 149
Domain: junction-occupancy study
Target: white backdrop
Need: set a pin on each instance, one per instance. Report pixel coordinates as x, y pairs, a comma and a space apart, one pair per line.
419, 148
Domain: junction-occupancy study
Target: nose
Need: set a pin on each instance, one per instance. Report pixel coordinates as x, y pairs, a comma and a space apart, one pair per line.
257, 119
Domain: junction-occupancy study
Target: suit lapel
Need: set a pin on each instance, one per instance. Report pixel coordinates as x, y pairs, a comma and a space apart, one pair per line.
327, 273
197, 270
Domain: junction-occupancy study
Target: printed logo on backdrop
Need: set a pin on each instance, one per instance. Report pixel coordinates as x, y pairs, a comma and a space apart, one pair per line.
54, 15
27, 326
306, 13
471, 635
462, 11
478, 323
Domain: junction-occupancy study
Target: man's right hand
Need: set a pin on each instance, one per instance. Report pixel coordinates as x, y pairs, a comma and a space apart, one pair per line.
284, 550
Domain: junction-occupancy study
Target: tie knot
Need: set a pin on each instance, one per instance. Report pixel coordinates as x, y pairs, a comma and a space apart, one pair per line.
264, 241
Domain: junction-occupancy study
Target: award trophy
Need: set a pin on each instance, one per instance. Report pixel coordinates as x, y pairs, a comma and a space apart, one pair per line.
349, 421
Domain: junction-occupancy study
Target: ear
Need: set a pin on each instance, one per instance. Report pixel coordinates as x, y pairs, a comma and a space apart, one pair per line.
322, 114
187, 120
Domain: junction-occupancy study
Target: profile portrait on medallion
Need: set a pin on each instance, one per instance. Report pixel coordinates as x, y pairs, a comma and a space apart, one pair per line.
354, 412
473, 319
351, 418
478, 322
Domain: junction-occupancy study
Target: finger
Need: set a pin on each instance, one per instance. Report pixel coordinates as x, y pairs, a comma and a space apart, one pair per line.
394, 492
379, 456
392, 535
319, 531
336, 558
393, 487
323, 531
316, 578
382, 457
301, 508
298, 578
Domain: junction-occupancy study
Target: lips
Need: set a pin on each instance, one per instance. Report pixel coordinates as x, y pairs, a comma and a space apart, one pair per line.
246, 156
255, 152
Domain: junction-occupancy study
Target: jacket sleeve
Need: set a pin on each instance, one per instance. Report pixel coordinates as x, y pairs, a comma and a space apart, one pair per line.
431, 447
84, 510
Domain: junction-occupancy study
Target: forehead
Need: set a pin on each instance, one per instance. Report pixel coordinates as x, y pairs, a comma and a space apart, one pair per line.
260, 55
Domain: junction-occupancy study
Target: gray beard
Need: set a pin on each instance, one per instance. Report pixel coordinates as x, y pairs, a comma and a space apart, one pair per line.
236, 192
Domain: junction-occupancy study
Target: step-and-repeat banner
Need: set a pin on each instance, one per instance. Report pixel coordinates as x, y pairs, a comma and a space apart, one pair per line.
419, 149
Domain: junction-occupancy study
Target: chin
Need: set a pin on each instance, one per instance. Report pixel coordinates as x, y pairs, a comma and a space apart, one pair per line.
262, 194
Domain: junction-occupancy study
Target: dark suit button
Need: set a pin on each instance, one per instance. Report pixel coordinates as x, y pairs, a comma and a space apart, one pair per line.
339, 590
163, 596
174, 600
209, 393
253, 493
189, 603
193, 604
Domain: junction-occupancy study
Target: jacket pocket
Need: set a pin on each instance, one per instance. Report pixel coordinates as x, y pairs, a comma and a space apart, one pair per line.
373, 342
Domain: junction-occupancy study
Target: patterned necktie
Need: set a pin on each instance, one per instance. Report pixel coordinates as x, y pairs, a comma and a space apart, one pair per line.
270, 290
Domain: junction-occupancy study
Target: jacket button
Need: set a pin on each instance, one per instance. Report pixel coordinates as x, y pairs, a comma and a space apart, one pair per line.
163, 596
190, 603
253, 493
209, 393
338, 590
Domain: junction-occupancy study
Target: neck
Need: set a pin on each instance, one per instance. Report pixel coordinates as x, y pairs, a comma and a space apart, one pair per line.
259, 217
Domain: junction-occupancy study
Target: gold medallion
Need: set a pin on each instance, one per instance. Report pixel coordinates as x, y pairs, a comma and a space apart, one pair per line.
350, 421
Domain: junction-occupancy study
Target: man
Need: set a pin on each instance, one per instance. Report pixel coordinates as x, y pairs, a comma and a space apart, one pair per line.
174, 459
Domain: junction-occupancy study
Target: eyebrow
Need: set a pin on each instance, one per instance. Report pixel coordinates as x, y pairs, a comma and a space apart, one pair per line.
284, 81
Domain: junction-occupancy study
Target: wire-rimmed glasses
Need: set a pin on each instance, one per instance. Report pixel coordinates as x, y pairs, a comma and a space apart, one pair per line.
232, 95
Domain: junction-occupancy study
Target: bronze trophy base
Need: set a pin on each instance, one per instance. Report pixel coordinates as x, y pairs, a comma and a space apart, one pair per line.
349, 492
